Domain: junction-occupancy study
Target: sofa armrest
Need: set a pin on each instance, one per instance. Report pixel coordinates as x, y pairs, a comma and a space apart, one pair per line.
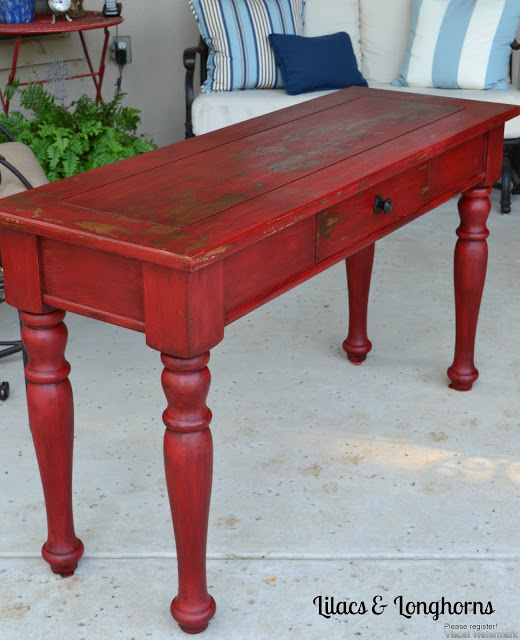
190, 60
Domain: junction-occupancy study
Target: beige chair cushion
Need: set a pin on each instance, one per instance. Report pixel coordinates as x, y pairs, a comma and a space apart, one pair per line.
21, 157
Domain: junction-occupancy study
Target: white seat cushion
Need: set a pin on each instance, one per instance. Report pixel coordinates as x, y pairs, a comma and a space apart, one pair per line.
23, 159
215, 110
511, 96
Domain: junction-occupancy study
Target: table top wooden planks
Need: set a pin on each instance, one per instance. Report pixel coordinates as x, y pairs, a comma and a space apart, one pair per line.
196, 201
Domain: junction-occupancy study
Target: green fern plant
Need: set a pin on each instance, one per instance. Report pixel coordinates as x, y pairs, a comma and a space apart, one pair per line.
71, 140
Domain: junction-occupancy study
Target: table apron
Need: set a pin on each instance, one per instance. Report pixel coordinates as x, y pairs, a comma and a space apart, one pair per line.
280, 262
114, 289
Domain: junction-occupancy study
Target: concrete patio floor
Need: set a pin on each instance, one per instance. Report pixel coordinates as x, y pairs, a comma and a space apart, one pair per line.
329, 479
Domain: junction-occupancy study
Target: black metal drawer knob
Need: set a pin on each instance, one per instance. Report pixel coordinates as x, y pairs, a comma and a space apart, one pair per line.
380, 204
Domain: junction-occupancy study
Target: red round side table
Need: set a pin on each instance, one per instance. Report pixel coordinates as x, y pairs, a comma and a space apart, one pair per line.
42, 25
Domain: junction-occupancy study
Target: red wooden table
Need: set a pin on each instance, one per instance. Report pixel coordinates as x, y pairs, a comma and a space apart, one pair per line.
184, 240
42, 25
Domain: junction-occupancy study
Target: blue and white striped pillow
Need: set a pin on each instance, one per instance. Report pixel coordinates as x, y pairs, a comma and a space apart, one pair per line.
460, 44
236, 32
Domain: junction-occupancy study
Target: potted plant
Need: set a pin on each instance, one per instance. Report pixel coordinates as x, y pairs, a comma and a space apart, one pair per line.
69, 140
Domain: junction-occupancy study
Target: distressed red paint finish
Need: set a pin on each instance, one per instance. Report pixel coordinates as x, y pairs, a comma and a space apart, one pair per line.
44, 337
188, 459
183, 240
471, 255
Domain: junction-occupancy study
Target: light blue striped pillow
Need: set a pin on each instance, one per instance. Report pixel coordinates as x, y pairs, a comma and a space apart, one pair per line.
460, 44
236, 32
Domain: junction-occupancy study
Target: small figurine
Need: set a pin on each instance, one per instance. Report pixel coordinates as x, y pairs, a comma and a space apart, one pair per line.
76, 9
60, 8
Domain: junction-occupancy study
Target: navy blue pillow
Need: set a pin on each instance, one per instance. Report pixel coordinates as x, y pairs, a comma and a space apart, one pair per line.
313, 64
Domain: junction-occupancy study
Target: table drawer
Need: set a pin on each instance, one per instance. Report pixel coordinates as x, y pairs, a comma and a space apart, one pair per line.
350, 222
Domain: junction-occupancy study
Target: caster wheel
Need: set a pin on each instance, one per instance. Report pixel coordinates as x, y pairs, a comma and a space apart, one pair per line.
4, 390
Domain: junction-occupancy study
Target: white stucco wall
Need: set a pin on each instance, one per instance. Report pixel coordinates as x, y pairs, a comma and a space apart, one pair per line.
153, 81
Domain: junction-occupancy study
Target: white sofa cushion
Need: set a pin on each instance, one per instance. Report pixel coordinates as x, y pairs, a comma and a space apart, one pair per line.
385, 26
329, 16
215, 110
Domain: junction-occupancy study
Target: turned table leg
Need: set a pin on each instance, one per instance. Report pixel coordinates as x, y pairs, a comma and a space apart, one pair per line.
469, 275
188, 458
359, 272
51, 417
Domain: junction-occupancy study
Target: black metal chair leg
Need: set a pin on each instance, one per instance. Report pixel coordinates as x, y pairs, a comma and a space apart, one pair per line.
505, 199
11, 347
24, 352
4, 390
